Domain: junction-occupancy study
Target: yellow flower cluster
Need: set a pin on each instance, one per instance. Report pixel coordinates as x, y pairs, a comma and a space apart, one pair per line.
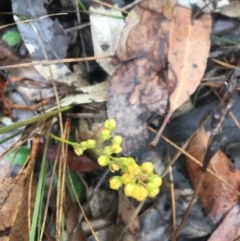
138, 181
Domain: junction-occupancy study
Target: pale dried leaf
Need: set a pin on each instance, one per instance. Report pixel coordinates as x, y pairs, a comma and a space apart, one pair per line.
229, 227
93, 93
189, 44
106, 26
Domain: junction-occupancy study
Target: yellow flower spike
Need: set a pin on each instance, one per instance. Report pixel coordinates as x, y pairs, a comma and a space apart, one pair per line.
115, 182
147, 168
110, 124
129, 189
140, 192
103, 160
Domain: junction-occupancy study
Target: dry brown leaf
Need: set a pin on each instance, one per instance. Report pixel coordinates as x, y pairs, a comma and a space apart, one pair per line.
189, 44
215, 198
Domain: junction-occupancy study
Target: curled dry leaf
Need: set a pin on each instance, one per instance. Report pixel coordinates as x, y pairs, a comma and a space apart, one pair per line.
215, 197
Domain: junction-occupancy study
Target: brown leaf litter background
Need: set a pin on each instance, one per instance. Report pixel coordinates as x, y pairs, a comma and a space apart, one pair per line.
139, 86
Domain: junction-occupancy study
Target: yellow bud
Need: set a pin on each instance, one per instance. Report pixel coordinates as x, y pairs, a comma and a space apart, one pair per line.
116, 149
134, 169
91, 144
103, 161
153, 192
129, 189
155, 180
140, 192
117, 140
110, 124
105, 134
115, 182
114, 167
147, 168
78, 149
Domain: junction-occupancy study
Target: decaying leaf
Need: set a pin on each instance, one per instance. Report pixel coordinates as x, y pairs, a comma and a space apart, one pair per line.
215, 197
137, 87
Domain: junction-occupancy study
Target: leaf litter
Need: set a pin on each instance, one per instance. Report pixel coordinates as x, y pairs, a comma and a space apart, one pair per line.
152, 46
139, 95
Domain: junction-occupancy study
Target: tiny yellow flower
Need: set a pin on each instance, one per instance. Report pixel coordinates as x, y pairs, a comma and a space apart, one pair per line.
103, 160
78, 149
91, 144
134, 169
155, 180
110, 124
153, 192
116, 149
115, 182
105, 134
147, 168
129, 189
117, 140
114, 167
140, 192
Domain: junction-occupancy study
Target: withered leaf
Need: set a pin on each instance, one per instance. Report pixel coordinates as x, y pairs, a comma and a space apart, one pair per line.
130, 102
137, 87
215, 197
189, 44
